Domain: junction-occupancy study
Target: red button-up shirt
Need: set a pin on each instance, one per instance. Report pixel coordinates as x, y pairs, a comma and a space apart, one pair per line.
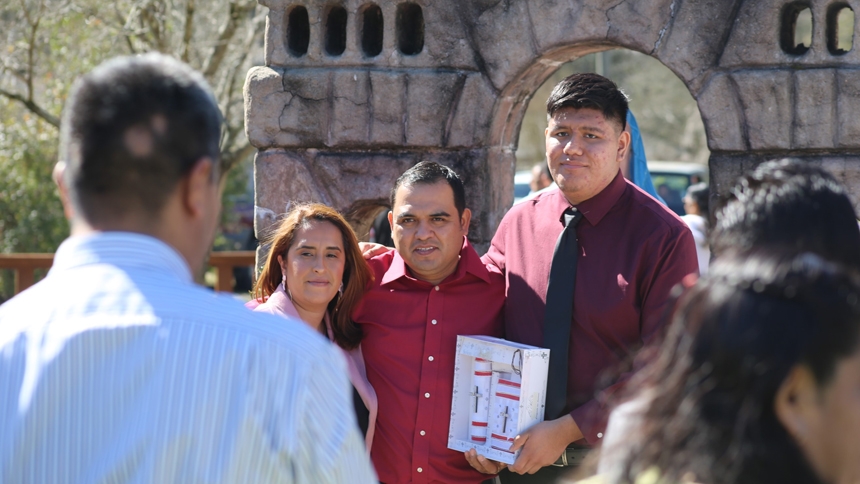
633, 250
410, 340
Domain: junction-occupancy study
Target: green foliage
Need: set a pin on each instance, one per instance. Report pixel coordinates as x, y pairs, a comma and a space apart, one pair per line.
46, 44
31, 217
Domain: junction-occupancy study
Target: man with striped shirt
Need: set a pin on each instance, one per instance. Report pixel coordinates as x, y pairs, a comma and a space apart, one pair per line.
117, 367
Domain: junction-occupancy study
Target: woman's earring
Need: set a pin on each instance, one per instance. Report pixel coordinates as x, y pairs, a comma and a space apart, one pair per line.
284, 280
340, 289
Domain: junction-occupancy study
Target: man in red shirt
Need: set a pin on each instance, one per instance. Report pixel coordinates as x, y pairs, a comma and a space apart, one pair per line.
630, 251
427, 291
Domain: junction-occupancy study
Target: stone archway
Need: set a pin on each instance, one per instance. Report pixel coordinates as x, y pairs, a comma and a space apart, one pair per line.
346, 103
513, 102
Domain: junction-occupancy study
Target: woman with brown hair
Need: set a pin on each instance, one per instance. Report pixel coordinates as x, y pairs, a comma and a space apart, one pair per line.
315, 272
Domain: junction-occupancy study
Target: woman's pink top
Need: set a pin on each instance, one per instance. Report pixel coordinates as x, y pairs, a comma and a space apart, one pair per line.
279, 303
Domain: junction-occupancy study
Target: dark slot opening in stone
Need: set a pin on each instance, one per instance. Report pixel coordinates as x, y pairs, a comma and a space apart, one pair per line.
840, 29
335, 31
410, 28
298, 31
796, 30
371, 30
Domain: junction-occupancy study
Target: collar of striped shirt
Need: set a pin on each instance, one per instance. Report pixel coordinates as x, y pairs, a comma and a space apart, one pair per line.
124, 249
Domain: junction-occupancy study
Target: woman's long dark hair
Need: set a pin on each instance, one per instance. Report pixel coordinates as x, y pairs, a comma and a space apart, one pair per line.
733, 339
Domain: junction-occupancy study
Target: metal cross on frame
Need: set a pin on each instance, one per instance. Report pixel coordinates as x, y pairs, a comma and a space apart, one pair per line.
505, 415
477, 396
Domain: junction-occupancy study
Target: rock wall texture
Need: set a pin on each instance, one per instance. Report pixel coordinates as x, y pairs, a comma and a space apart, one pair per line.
337, 115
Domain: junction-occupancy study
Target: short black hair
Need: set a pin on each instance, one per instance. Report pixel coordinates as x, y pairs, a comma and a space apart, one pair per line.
589, 91
133, 127
792, 205
699, 194
428, 173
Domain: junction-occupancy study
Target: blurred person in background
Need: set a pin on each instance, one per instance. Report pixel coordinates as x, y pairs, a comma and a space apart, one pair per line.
541, 178
696, 206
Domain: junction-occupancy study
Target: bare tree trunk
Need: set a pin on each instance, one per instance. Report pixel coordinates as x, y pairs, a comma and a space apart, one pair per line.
189, 29
228, 30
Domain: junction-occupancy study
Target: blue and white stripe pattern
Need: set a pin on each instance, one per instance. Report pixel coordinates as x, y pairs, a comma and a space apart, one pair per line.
116, 368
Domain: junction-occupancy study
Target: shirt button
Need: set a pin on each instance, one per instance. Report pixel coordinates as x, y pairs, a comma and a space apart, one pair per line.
434, 321
599, 435
430, 358
573, 209
420, 470
422, 432
437, 288
426, 395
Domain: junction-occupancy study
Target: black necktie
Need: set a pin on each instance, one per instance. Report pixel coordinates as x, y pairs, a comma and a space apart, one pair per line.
559, 313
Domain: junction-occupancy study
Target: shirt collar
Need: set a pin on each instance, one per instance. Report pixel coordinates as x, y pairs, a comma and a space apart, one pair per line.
469, 263
281, 301
596, 207
122, 249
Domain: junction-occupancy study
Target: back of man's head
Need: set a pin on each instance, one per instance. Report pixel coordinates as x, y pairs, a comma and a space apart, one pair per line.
132, 128
791, 205
428, 173
589, 91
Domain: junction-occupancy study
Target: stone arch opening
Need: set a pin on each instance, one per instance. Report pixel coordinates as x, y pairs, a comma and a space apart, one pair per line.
795, 34
371, 30
840, 29
409, 25
534, 84
298, 31
335, 31
362, 216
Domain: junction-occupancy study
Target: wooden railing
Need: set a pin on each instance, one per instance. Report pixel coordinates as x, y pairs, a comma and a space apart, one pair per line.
25, 265
225, 261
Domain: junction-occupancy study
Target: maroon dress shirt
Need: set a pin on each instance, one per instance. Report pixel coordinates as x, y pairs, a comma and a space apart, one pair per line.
410, 340
633, 250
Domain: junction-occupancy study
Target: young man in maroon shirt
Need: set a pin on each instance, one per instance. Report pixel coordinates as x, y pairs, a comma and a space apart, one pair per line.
631, 252
432, 288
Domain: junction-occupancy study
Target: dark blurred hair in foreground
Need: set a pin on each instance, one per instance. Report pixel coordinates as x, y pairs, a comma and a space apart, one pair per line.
791, 205
132, 129
733, 339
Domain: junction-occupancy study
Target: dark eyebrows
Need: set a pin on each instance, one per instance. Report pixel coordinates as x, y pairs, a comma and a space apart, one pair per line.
587, 129
593, 129
435, 214
314, 248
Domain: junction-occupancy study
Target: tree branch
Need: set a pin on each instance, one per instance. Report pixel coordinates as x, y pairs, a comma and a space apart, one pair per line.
31, 47
253, 33
33, 107
228, 30
189, 29
231, 158
124, 28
